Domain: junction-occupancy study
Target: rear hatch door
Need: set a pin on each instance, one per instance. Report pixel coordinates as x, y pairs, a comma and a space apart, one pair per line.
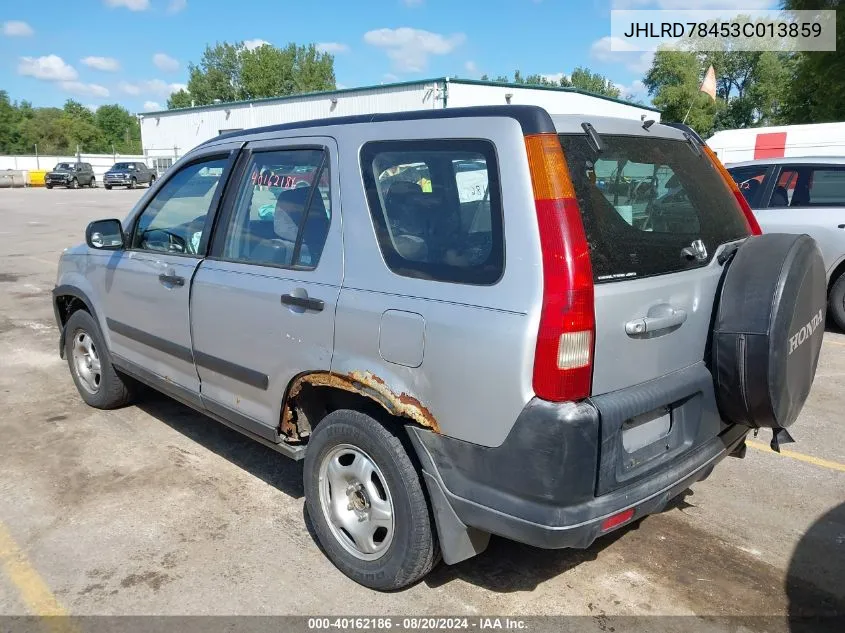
656, 213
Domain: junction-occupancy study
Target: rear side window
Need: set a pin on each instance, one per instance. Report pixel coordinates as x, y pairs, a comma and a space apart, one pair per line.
436, 208
645, 200
750, 182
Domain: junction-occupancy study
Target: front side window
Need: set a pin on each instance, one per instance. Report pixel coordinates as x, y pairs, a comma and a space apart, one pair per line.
174, 221
436, 208
750, 182
283, 210
645, 200
807, 186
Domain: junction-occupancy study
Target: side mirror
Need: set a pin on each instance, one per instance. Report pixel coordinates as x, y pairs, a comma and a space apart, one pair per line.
106, 235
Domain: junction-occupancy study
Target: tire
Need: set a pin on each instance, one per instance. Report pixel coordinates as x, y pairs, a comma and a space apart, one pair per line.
152, 181
132, 183
84, 351
401, 554
767, 331
49, 186
836, 302
107, 187
93, 183
74, 184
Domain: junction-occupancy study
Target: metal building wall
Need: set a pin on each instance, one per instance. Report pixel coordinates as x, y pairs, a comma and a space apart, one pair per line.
554, 101
172, 134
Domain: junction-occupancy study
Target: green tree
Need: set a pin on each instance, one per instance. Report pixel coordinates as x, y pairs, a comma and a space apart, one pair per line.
9, 124
120, 129
180, 99
230, 72
598, 84
816, 90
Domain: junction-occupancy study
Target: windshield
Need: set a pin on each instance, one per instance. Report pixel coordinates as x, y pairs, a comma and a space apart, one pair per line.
123, 166
63, 166
645, 200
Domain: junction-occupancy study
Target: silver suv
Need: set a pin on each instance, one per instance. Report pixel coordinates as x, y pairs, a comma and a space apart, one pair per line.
467, 322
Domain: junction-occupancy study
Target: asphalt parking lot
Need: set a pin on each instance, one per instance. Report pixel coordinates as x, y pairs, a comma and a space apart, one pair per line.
155, 509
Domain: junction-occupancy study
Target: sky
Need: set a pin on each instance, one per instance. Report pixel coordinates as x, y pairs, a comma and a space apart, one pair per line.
136, 52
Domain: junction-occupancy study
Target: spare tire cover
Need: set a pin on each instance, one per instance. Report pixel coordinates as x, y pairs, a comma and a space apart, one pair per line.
768, 328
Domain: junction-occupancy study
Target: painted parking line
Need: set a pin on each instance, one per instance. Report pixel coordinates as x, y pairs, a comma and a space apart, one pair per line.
33, 591
816, 461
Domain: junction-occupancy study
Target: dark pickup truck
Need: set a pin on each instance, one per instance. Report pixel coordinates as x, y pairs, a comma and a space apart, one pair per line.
128, 175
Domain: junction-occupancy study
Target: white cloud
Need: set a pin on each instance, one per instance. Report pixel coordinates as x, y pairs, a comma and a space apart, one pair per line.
694, 4
634, 90
165, 63
16, 28
555, 77
471, 67
106, 64
89, 90
132, 5
390, 77
335, 48
176, 6
48, 68
150, 106
151, 86
635, 61
413, 3
251, 45
92, 107
409, 49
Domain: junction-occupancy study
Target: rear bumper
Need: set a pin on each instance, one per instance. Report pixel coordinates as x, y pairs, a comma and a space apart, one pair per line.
550, 483
578, 525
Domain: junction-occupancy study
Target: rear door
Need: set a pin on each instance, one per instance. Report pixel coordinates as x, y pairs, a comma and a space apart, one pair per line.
808, 199
263, 304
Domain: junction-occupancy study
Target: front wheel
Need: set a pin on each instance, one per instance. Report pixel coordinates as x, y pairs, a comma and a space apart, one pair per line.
132, 183
152, 181
74, 184
836, 302
365, 499
90, 364
49, 186
107, 187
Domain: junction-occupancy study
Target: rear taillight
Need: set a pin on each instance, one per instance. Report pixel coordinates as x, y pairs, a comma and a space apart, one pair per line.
753, 225
563, 361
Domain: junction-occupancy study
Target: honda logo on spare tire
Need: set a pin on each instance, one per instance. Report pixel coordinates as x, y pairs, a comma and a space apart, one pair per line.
805, 332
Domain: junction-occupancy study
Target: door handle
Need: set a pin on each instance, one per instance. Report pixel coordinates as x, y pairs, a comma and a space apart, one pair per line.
646, 325
308, 303
173, 280
841, 226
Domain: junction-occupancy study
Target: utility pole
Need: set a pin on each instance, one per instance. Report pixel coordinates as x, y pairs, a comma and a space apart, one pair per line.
37, 162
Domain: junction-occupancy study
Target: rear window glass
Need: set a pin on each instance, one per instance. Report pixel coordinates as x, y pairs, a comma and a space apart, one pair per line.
436, 208
645, 200
750, 182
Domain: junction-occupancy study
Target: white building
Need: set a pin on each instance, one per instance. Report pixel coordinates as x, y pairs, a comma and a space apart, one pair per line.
168, 134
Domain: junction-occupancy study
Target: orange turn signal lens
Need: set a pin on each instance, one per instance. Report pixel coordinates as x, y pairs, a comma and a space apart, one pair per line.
549, 171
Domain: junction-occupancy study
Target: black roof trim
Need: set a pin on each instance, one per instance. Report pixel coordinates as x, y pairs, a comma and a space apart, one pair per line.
532, 119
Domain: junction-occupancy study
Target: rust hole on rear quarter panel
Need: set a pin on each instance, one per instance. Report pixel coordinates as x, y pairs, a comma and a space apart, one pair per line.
363, 383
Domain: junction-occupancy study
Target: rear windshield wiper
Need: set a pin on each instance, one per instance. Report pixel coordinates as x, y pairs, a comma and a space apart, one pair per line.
693, 144
593, 137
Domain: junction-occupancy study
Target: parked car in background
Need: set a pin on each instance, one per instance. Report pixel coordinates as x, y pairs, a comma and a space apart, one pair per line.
487, 343
129, 175
71, 176
802, 195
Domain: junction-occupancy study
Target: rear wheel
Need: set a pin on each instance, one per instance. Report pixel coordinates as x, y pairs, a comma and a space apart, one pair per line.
836, 302
93, 183
152, 180
365, 499
90, 364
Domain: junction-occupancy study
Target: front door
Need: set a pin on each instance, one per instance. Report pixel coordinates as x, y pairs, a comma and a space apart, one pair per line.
263, 303
147, 286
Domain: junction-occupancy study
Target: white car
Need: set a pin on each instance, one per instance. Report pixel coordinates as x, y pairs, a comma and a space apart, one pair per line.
802, 195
